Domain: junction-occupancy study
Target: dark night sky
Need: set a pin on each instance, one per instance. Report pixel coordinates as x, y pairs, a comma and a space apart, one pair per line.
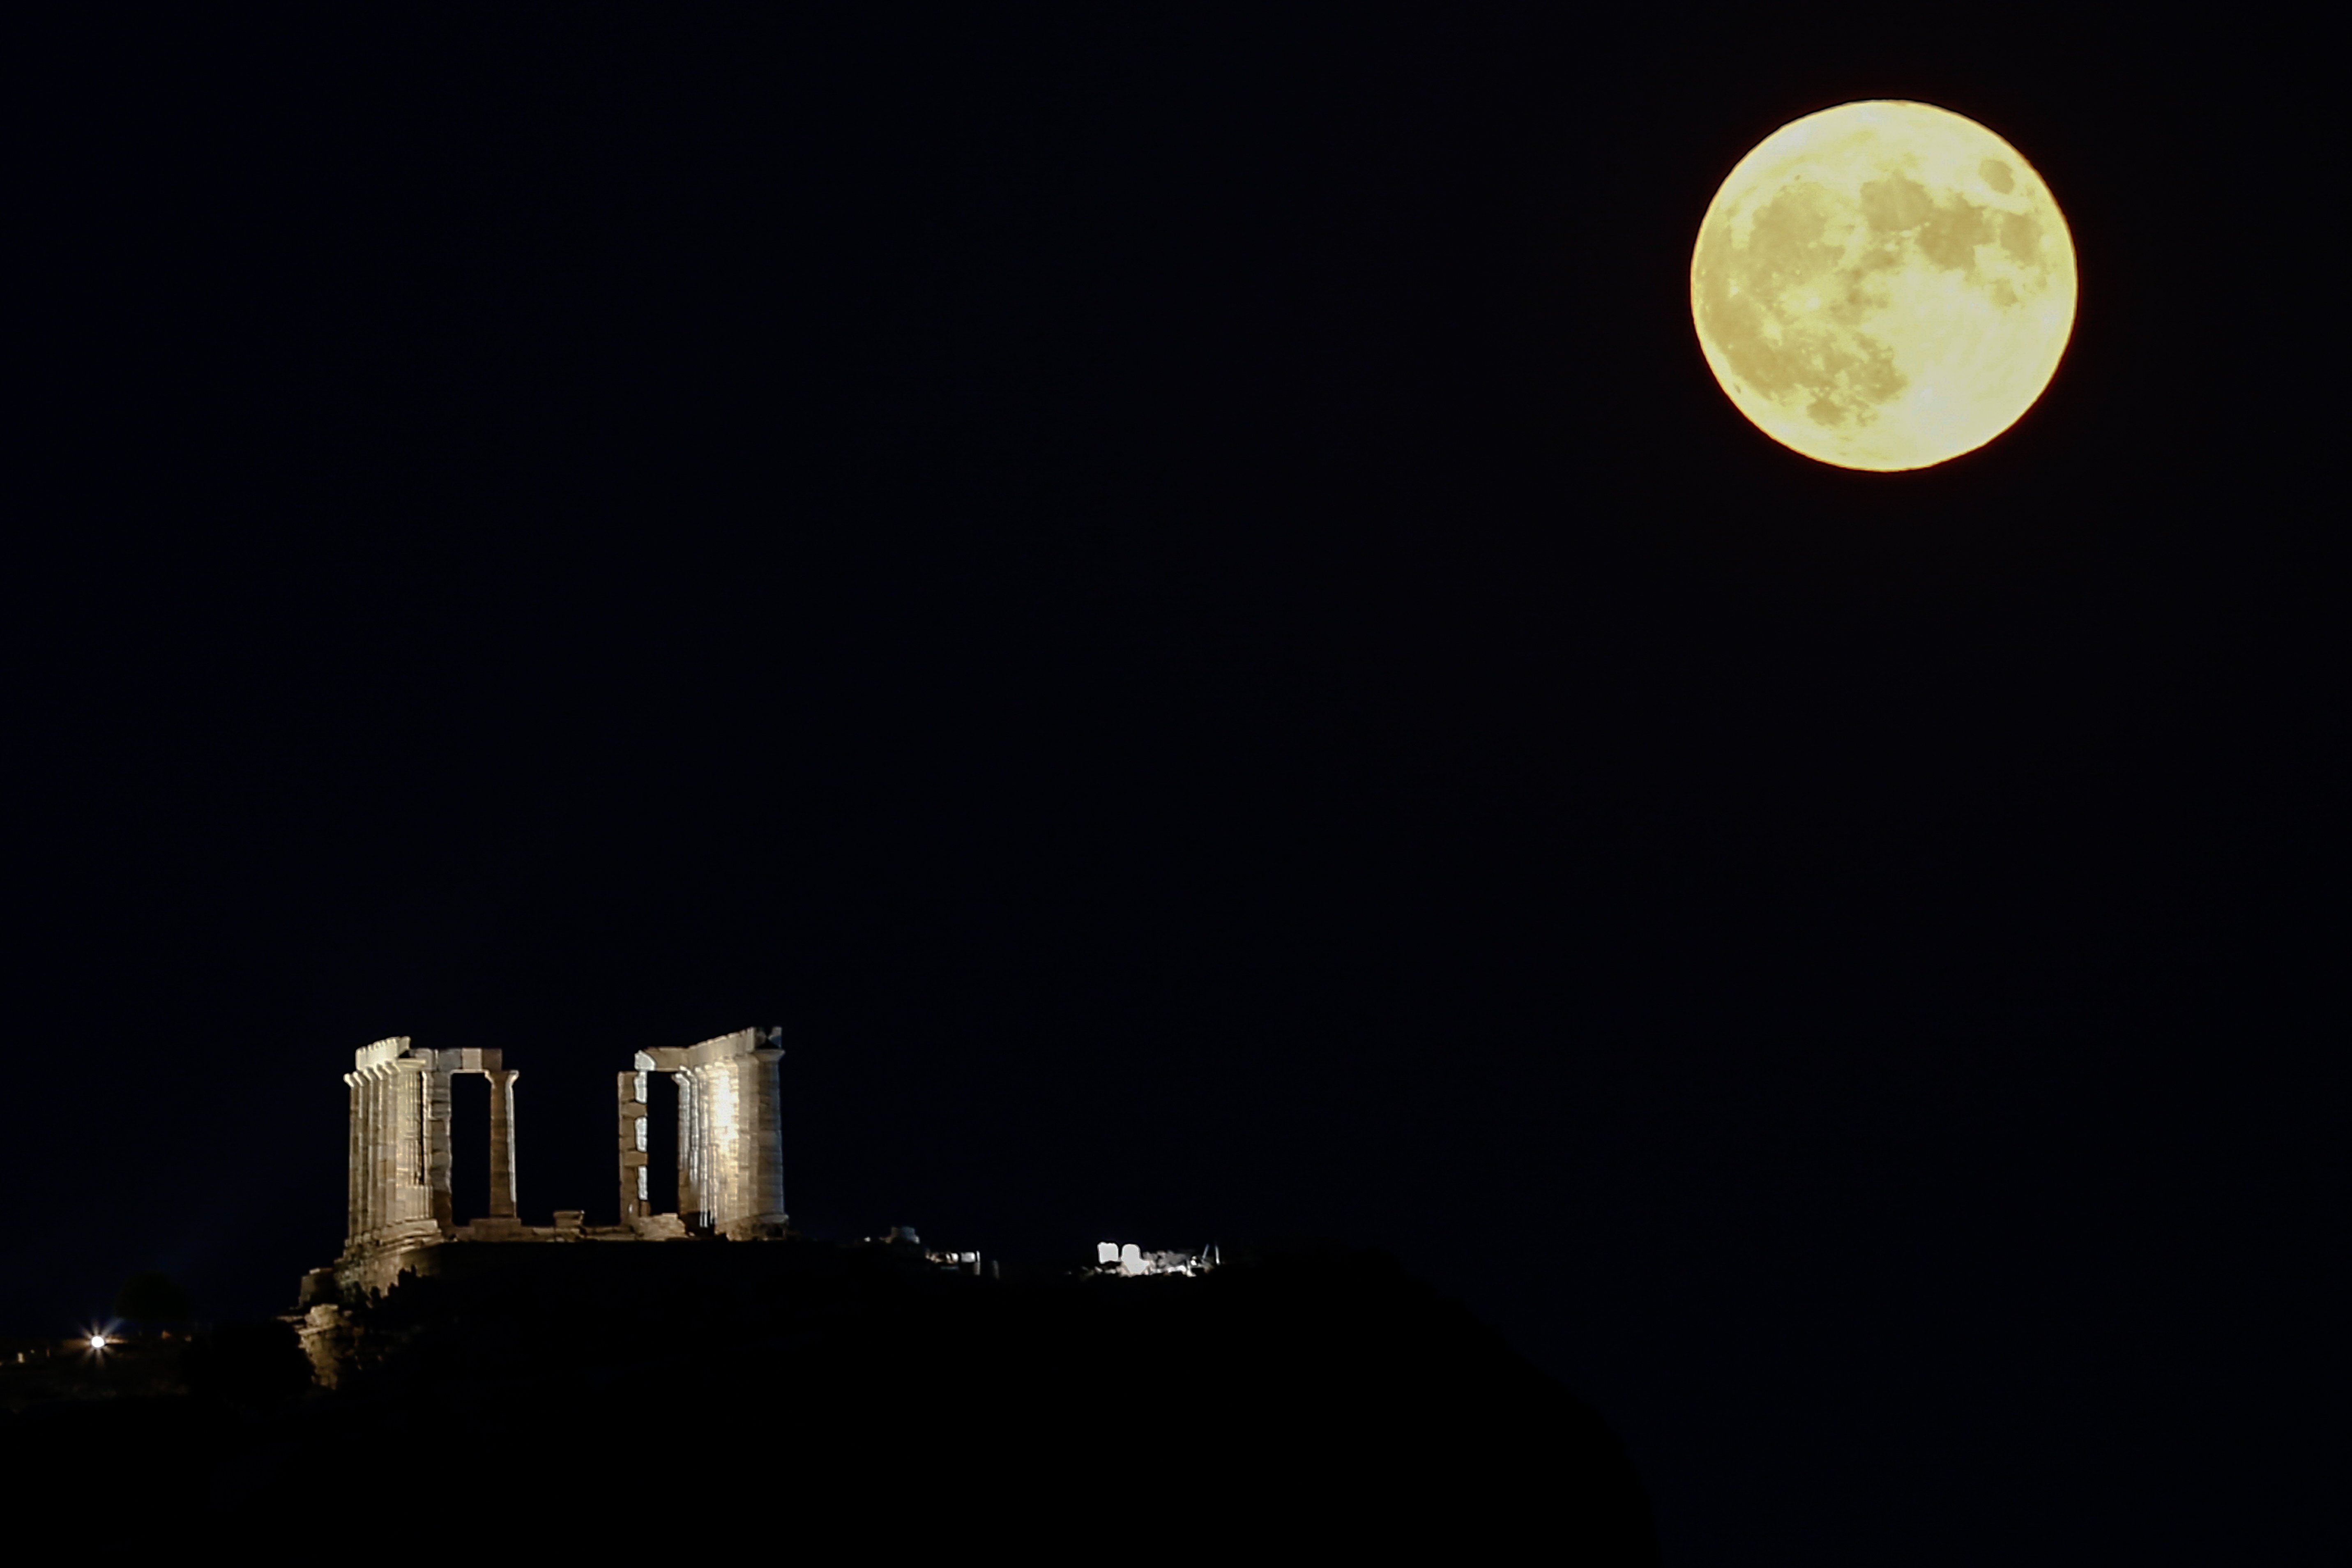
1170, 595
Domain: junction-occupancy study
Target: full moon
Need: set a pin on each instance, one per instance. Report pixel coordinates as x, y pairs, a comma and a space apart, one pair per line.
1883, 285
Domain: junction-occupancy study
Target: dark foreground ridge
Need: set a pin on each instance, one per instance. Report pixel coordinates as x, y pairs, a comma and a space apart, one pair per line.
1324, 1398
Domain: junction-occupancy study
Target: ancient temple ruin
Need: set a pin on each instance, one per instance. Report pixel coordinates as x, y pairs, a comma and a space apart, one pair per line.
730, 1140
730, 1177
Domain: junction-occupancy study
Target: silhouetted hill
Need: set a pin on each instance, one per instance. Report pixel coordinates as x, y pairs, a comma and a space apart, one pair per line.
590, 1393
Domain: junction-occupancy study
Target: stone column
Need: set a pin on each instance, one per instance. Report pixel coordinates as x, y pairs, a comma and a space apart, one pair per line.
395, 1145
372, 1090
719, 1132
387, 1151
741, 1133
502, 1148
411, 1200
691, 1207
634, 1183
354, 1183
360, 1176
708, 1131
766, 1128
711, 1083
439, 1156
718, 1142
379, 1189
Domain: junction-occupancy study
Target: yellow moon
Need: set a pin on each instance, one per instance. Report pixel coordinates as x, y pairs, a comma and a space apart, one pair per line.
1883, 285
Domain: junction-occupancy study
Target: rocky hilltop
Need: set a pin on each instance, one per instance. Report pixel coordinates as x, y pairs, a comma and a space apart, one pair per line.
1319, 1397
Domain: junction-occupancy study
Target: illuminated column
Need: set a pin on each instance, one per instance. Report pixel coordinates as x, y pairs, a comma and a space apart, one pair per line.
355, 1186
725, 1146
765, 1125
502, 1150
387, 1151
743, 1137
376, 1183
710, 1125
635, 1182
379, 1189
747, 1099
707, 1134
396, 1143
690, 1205
363, 1155
710, 1139
438, 1155
406, 1197
390, 1150
414, 1200
717, 1144
711, 1132
710, 1121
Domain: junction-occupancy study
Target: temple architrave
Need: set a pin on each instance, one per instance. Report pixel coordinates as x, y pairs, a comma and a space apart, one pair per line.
730, 1168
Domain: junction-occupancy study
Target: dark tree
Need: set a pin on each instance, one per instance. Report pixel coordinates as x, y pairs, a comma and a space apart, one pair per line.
153, 1296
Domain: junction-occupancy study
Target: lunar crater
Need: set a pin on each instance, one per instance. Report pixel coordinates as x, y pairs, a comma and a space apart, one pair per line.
1860, 258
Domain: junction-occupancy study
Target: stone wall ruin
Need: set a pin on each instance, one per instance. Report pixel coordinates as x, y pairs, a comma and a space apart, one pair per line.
730, 1151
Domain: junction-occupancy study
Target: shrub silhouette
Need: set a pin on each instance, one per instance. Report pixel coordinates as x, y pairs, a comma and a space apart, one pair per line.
153, 1296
